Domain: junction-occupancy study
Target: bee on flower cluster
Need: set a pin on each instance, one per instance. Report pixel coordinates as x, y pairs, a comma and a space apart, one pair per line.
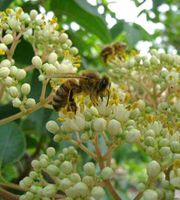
88, 83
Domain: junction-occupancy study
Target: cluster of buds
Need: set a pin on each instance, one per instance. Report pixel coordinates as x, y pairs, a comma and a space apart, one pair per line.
53, 51
55, 175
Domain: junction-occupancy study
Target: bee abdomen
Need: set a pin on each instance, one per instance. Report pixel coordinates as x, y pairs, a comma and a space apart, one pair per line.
60, 97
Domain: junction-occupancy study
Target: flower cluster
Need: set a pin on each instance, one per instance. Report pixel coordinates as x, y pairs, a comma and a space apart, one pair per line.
55, 175
53, 51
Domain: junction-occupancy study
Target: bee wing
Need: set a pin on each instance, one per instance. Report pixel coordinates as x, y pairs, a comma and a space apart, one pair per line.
66, 75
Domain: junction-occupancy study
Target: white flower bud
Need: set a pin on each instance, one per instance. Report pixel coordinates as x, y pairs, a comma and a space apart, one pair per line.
165, 151
133, 136
13, 70
89, 168
99, 124
157, 127
25, 89
114, 127
150, 194
50, 69
30, 102
154, 60
80, 122
49, 190
98, 192
52, 170
7, 39
74, 50
4, 72
5, 63
8, 81
153, 169
41, 77
33, 14
16, 102
52, 58
52, 126
50, 151
20, 74
121, 113
63, 37
65, 183
81, 189
66, 167
3, 47
75, 177
175, 146
36, 164
106, 173
135, 75
175, 182
37, 62
69, 42
13, 91
28, 33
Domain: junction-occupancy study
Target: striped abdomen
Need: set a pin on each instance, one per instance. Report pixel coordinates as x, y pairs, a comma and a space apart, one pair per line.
61, 97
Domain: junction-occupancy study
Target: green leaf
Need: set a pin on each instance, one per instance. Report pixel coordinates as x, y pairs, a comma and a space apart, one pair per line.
4, 4
84, 14
133, 32
12, 143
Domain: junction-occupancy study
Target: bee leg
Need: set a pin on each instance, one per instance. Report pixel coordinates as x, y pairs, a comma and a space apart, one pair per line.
94, 100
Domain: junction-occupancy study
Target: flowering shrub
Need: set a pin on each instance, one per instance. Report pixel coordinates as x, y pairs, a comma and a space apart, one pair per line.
144, 109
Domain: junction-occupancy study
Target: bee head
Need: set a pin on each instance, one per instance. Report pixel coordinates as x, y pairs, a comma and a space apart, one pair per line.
104, 84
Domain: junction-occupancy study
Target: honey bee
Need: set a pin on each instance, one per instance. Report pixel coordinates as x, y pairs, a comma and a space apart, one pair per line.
89, 83
112, 50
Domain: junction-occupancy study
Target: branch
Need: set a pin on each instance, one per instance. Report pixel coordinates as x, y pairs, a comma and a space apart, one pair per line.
28, 111
7, 195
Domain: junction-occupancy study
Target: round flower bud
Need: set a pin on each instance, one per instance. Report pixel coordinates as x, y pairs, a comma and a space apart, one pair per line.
75, 177
25, 89
153, 169
3, 47
133, 136
7, 39
52, 58
26, 182
66, 167
29, 196
141, 187
51, 151
98, 192
89, 181
114, 127
13, 91
65, 183
8, 81
150, 194
175, 182
36, 61
50, 69
20, 74
154, 60
81, 189
74, 50
4, 72
89, 168
16, 102
5, 63
149, 141
52, 170
13, 70
63, 37
107, 173
99, 124
36, 164
175, 146
44, 162
52, 126
33, 14
165, 151
163, 142
49, 190
30, 102
41, 77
